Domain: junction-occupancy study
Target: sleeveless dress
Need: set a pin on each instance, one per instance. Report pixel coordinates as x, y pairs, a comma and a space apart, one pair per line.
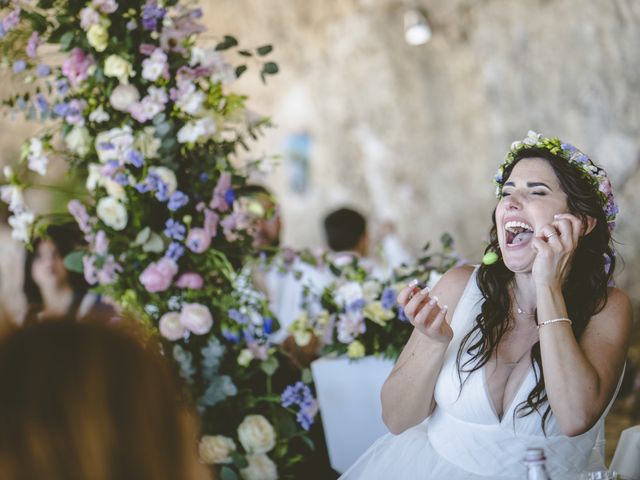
464, 439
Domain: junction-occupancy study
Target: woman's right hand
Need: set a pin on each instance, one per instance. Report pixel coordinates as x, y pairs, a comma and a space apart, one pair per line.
425, 313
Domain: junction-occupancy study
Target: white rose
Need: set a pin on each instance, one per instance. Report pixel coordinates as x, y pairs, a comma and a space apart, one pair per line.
196, 318
147, 143
191, 103
98, 37
21, 225
260, 467
114, 144
370, 290
348, 294
78, 140
216, 449
167, 176
256, 434
170, 326
112, 213
118, 67
123, 96
114, 189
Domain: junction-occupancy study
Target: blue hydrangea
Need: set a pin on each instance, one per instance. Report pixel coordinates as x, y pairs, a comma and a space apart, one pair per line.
43, 70
174, 251
356, 305
135, 158
177, 200
19, 66
174, 229
237, 316
388, 298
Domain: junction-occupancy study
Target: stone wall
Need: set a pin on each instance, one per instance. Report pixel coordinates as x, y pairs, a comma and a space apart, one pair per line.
414, 134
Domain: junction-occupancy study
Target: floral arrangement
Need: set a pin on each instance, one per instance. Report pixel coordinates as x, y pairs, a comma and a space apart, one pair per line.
594, 174
357, 314
145, 117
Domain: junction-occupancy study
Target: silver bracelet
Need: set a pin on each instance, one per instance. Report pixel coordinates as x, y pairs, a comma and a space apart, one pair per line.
554, 320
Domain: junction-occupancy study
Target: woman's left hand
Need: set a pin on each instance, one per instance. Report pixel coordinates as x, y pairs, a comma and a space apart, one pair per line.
555, 245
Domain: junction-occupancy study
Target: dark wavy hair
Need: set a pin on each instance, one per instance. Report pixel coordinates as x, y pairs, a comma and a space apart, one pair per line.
585, 290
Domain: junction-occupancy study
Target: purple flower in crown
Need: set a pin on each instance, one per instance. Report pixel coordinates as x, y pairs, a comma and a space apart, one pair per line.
151, 15
174, 229
568, 147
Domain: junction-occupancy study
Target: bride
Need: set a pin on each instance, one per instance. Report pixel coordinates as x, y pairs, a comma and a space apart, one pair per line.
525, 350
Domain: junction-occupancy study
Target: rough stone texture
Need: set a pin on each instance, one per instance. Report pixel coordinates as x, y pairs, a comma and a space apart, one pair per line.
414, 134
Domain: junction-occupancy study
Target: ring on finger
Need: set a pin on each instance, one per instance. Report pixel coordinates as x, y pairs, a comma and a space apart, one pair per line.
549, 235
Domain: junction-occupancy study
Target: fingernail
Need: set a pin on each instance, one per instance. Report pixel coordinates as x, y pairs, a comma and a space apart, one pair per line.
444, 309
413, 282
425, 290
556, 215
433, 300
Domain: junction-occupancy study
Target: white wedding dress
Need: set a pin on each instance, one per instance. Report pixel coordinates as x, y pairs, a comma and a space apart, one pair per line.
464, 439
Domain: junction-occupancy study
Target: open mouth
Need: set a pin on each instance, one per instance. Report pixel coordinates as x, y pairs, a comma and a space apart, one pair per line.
517, 232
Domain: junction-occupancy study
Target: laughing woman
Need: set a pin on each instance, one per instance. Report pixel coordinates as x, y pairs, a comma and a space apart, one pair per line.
526, 350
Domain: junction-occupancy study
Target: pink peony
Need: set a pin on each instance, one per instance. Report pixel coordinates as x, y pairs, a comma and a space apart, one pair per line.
75, 66
157, 277
196, 318
198, 240
190, 280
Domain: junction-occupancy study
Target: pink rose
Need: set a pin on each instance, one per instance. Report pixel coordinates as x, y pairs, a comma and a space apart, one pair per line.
198, 240
190, 280
157, 277
170, 326
196, 318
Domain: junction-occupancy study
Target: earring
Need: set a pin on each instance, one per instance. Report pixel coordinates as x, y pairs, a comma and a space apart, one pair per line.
490, 258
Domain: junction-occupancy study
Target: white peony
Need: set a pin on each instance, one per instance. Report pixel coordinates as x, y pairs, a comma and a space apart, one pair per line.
260, 467
118, 67
191, 103
147, 143
78, 141
196, 318
112, 213
170, 326
123, 96
216, 449
167, 176
21, 225
191, 132
256, 434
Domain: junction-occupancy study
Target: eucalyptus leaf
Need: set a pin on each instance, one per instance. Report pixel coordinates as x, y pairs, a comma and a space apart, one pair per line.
73, 261
227, 474
240, 70
227, 43
163, 128
239, 460
264, 50
143, 236
65, 40
245, 53
269, 366
270, 68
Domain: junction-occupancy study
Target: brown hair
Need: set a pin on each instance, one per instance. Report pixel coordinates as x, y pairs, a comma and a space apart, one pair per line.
85, 401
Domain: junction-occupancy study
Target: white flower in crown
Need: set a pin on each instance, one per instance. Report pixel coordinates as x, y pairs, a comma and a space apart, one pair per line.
197, 130
147, 143
123, 96
114, 144
154, 66
99, 115
112, 213
348, 294
118, 67
532, 138
167, 176
371, 290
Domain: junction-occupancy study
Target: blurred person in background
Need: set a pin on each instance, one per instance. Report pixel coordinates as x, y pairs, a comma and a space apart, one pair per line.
51, 290
89, 402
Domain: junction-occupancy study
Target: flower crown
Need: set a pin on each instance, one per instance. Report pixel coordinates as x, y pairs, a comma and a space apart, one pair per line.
594, 174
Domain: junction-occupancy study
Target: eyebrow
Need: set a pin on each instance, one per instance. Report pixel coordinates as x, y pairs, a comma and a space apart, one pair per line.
529, 185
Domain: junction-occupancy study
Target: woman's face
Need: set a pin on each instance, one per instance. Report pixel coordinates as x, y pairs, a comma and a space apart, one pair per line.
48, 268
531, 196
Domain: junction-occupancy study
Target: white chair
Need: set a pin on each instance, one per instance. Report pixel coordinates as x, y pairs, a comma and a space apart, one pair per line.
626, 459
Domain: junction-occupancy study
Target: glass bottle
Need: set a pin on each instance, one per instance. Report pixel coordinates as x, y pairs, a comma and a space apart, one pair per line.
534, 459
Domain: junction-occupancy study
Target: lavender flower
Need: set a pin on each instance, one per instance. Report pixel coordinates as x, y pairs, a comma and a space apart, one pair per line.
174, 229
174, 251
32, 45
43, 70
237, 316
19, 66
300, 395
122, 179
135, 158
177, 200
151, 14
41, 103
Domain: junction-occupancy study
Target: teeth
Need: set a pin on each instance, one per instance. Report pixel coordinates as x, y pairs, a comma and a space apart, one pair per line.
512, 225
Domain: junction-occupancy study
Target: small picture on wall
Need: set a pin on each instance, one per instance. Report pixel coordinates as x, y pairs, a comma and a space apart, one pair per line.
296, 152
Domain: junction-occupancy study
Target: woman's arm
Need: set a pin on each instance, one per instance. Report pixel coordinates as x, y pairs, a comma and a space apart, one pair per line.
407, 394
580, 377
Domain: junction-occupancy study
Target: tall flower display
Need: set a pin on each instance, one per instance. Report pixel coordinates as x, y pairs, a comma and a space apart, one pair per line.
145, 116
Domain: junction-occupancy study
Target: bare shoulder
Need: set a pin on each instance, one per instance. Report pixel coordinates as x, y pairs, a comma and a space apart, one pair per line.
450, 287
